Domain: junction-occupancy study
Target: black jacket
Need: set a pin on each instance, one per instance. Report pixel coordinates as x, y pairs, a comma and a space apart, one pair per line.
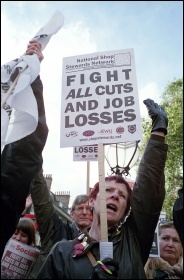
178, 214
51, 227
20, 161
131, 247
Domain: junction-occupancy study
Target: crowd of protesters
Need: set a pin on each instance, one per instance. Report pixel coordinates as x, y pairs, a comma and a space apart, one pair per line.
72, 250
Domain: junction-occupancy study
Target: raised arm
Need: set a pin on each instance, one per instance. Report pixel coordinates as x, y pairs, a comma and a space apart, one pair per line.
149, 190
43, 207
20, 161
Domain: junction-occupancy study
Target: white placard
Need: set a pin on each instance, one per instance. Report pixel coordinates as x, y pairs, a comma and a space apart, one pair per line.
106, 250
100, 101
85, 153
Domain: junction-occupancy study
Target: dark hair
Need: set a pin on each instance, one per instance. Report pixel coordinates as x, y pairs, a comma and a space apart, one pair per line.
118, 179
82, 198
27, 226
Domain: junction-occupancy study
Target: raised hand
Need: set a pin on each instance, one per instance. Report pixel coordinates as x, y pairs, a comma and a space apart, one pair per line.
158, 116
35, 47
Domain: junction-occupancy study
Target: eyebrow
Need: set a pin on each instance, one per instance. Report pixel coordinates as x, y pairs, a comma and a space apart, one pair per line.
173, 237
82, 207
125, 192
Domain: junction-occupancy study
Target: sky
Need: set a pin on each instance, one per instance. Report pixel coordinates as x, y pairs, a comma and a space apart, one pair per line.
154, 29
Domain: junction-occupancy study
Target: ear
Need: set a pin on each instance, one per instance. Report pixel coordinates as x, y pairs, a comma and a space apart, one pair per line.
72, 215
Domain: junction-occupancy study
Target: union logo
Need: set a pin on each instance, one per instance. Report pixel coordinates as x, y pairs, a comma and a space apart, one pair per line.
120, 130
132, 128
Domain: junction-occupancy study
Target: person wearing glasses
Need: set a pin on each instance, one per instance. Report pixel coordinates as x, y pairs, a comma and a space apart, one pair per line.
51, 227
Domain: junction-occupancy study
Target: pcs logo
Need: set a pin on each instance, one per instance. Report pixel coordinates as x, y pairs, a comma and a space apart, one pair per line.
88, 133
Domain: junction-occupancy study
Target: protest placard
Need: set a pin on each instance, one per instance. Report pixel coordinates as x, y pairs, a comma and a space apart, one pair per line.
17, 260
85, 153
99, 101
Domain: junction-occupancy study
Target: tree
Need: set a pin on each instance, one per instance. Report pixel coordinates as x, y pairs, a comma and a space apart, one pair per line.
172, 101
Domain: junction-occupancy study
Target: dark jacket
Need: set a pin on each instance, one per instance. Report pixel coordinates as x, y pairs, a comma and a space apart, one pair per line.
51, 227
131, 246
178, 214
20, 161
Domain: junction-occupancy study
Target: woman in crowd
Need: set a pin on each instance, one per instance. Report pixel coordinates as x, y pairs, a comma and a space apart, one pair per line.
131, 219
25, 232
170, 263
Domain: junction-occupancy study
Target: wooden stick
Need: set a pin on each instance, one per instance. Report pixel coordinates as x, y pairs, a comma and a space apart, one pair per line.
102, 192
87, 183
10, 90
106, 247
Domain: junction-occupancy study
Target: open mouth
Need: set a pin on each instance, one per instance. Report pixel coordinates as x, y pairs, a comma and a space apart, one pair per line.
112, 207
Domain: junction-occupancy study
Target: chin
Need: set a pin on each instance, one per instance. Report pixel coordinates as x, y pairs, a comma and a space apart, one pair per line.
111, 223
111, 219
85, 224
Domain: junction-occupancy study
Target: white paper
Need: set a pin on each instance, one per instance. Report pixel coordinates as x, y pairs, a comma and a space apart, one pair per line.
106, 250
19, 112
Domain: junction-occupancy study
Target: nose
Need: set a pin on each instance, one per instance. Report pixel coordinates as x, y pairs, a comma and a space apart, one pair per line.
18, 237
115, 195
170, 243
85, 211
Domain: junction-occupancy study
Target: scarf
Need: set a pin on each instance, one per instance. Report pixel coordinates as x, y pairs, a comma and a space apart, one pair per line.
174, 272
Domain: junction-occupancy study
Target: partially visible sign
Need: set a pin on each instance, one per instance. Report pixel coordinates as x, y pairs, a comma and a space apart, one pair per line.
85, 153
162, 217
155, 249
